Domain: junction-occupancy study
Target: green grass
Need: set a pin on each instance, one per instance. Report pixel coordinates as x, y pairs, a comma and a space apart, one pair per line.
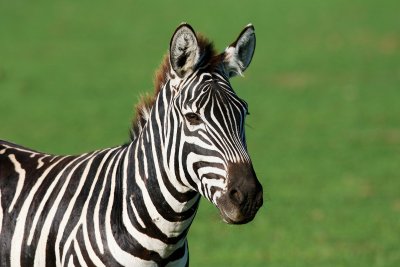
323, 91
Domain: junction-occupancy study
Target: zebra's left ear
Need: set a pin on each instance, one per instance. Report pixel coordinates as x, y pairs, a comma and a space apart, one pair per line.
184, 50
238, 55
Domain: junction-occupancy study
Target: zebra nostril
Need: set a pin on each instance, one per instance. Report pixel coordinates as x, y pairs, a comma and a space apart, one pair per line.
236, 196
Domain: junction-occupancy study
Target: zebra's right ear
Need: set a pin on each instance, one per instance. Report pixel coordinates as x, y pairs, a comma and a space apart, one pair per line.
184, 51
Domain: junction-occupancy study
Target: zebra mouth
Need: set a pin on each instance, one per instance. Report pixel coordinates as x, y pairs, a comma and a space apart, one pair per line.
235, 217
239, 213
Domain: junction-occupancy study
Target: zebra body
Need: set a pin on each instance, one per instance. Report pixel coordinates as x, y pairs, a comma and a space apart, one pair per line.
89, 186
132, 205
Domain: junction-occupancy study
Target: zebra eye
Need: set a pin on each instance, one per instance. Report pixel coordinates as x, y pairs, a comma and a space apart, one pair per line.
193, 118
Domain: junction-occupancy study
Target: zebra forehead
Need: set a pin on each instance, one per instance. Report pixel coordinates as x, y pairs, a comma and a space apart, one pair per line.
212, 87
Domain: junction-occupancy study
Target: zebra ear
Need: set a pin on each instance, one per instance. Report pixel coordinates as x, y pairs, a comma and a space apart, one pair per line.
238, 55
184, 51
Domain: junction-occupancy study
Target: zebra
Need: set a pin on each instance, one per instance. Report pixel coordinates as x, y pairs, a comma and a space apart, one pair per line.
133, 204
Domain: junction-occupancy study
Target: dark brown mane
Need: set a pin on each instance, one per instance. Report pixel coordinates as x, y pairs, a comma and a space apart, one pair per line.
162, 74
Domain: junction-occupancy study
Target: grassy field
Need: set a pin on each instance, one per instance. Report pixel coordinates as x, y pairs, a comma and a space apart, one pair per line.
324, 97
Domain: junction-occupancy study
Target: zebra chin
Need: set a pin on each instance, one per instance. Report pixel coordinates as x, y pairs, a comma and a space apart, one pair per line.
237, 215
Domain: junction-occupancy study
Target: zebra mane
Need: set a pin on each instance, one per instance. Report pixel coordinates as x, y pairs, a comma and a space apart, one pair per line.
209, 58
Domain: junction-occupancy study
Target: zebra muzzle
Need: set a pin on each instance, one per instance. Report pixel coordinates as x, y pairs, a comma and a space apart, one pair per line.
243, 197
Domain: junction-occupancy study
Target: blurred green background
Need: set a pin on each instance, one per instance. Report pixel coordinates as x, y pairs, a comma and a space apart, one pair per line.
323, 91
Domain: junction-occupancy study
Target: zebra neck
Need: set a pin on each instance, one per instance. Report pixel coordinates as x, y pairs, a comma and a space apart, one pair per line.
155, 204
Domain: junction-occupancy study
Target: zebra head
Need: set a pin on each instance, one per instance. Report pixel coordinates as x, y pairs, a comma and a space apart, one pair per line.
211, 147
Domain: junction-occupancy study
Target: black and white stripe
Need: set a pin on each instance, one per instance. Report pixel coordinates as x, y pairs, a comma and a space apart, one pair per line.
132, 205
